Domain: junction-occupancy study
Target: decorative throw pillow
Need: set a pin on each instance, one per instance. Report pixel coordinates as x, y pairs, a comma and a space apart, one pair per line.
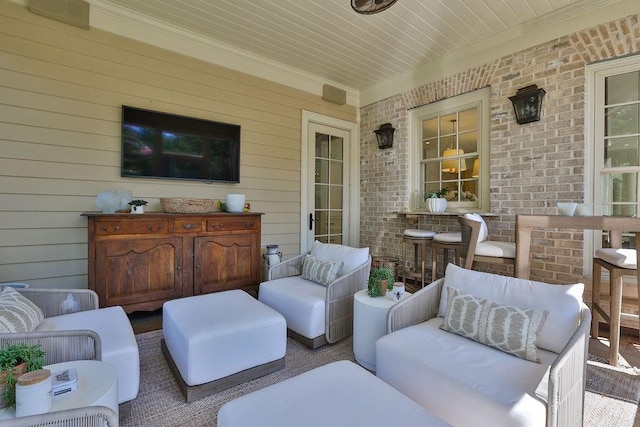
510, 329
17, 313
319, 271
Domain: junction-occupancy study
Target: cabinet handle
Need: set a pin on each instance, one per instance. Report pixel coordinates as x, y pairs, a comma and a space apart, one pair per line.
218, 227
115, 228
188, 226
249, 224
150, 227
179, 268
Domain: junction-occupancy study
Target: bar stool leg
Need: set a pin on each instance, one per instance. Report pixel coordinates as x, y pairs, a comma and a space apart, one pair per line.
616, 307
595, 300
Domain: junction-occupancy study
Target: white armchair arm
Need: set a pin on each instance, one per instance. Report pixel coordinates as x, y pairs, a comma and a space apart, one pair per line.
339, 302
288, 268
567, 378
418, 308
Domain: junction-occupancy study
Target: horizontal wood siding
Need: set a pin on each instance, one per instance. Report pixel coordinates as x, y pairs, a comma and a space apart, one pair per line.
61, 92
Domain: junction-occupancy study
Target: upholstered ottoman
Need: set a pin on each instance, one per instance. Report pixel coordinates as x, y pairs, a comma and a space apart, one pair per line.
340, 394
219, 340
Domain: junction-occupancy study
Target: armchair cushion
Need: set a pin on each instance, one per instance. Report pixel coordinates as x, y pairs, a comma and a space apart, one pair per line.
351, 257
17, 313
563, 302
510, 329
319, 271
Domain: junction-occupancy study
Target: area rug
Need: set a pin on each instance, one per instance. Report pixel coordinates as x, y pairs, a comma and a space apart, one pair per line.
611, 399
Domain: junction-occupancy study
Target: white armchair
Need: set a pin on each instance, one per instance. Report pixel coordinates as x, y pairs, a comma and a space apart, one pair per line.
317, 314
91, 334
444, 371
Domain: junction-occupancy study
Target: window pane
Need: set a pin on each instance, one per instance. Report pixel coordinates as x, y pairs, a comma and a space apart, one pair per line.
621, 120
429, 129
322, 145
620, 152
620, 194
468, 120
430, 149
336, 148
322, 171
622, 88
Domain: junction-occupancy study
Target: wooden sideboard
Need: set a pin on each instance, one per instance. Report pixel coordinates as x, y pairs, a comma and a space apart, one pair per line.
141, 261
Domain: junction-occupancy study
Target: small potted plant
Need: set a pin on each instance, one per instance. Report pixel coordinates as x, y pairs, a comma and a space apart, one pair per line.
380, 281
15, 360
436, 201
137, 206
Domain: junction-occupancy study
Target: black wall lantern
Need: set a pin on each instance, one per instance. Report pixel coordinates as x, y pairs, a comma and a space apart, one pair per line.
527, 104
384, 135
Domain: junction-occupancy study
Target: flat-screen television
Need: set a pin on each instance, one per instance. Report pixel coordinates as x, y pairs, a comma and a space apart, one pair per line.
161, 145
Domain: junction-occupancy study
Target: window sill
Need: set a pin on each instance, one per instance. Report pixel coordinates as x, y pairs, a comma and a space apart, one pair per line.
416, 214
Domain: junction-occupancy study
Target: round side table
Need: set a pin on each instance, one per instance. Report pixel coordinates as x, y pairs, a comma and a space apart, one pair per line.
97, 385
370, 324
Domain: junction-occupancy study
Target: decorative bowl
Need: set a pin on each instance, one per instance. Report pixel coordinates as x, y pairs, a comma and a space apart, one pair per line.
584, 209
185, 205
567, 208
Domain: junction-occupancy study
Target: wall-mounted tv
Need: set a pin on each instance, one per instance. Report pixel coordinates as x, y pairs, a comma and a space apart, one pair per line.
161, 145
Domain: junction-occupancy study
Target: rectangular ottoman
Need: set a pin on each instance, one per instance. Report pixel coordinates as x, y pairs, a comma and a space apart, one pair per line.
338, 394
216, 341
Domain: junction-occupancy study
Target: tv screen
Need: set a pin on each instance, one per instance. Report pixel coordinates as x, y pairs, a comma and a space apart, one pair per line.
161, 145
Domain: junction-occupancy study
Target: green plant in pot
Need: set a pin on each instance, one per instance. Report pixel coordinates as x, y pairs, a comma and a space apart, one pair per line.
15, 360
435, 200
380, 281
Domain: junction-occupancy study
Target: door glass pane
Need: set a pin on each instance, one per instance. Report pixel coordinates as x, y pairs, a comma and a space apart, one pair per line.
329, 203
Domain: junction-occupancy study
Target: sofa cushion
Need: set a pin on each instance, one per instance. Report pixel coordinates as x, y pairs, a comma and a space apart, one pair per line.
351, 257
461, 381
563, 302
17, 312
510, 329
300, 301
119, 346
319, 271
484, 230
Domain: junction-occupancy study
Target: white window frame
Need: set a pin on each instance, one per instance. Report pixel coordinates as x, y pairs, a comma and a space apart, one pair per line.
594, 142
477, 99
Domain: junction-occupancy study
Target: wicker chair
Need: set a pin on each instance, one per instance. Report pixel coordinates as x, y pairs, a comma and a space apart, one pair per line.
89, 416
70, 342
338, 299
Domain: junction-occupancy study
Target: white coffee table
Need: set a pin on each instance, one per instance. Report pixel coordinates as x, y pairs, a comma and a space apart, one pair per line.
370, 324
97, 385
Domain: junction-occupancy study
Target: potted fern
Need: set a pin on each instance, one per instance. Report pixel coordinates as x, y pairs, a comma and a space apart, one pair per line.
15, 360
137, 206
380, 281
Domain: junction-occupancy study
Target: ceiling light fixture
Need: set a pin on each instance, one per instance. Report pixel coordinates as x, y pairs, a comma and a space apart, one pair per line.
369, 7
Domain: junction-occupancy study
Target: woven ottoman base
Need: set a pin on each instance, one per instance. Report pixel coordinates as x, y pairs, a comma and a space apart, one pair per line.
196, 392
216, 341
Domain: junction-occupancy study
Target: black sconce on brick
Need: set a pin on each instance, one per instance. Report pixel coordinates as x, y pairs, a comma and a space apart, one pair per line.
527, 104
384, 135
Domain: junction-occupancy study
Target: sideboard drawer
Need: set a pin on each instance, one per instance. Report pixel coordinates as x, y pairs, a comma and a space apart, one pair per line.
131, 227
233, 224
187, 226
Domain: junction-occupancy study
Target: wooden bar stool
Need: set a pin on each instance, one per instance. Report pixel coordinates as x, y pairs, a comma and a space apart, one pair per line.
620, 263
447, 242
420, 239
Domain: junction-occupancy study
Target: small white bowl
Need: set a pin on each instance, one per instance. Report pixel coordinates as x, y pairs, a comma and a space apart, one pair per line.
584, 209
567, 208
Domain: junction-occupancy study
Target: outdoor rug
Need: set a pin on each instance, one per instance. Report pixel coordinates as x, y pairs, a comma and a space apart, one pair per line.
611, 400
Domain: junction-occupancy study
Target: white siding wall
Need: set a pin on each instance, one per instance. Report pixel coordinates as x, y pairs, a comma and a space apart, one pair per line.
61, 91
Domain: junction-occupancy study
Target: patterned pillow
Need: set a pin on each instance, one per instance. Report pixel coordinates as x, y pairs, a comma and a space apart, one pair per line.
17, 313
319, 271
506, 328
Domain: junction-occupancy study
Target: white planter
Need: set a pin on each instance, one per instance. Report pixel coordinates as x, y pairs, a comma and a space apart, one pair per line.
235, 202
137, 209
436, 204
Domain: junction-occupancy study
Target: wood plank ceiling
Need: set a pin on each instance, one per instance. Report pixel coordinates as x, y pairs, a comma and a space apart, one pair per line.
326, 38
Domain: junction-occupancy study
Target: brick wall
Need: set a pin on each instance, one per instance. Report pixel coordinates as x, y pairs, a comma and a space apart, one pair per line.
533, 166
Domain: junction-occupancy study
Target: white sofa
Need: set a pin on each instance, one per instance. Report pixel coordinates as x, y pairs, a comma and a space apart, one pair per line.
93, 333
316, 313
465, 382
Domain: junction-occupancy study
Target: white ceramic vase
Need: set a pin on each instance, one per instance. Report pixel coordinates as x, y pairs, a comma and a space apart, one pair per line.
109, 201
235, 202
436, 204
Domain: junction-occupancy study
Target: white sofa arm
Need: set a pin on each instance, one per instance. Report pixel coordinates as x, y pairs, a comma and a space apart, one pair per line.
339, 302
418, 308
288, 268
567, 378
